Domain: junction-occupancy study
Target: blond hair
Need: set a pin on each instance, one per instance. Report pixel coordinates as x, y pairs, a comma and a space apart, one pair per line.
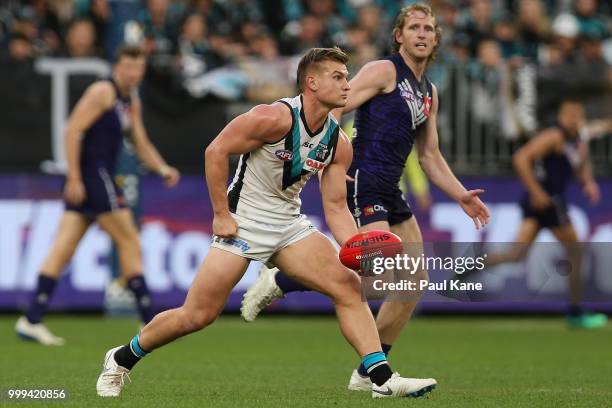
400, 21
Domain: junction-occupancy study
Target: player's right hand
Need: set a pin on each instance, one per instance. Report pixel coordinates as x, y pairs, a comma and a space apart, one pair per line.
74, 191
540, 200
225, 226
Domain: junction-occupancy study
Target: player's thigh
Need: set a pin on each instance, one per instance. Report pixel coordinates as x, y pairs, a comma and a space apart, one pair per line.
313, 261
408, 230
377, 225
528, 231
120, 225
410, 233
71, 229
219, 273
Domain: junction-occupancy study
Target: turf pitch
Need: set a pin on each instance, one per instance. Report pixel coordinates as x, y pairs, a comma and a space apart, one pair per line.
304, 361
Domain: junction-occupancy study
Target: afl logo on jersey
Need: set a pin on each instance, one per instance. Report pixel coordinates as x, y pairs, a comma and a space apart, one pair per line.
284, 155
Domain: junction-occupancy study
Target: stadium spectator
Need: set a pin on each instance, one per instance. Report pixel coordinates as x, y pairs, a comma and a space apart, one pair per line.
195, 53
588, 17
370, 18
81, 40
302, 35
486, 78
159, 23
534, 27
264, 46
20, 47
325, 11
99, 13
214, 14
507, 37
565, 30
239, 12
477, 23
360, 49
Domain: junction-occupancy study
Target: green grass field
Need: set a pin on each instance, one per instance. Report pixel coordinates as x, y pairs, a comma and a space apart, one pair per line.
295, 361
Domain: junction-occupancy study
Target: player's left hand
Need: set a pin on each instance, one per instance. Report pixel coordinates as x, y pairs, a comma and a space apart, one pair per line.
475, 208
591, 190
170, 175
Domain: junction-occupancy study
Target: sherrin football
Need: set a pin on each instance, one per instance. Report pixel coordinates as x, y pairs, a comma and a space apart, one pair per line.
366, 246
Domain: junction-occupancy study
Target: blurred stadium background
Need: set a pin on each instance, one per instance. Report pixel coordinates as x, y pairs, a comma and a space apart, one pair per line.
501, 70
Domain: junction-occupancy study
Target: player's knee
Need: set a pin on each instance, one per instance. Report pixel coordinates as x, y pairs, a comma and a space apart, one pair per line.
197, 320
345, 286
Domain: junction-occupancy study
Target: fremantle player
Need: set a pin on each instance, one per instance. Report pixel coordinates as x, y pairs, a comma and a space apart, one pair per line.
546, 165
108, 111
396, 109
258, 218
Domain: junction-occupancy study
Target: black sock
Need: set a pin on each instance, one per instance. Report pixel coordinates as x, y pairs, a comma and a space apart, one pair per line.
138, 286
40, 300
377, 367
380, 374
128, 355
287, 285
386, 348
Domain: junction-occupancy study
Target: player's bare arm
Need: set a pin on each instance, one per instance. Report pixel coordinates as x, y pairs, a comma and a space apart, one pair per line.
374, 78
438, 171
333, 192
97, 99
145, 149
585, 175
262, 124
548, 141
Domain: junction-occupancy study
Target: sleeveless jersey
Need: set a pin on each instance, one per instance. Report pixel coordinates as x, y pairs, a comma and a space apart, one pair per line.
103, 139
556, 170
268, 180
386, 125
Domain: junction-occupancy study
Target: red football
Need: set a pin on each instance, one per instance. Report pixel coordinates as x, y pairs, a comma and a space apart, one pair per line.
366, 246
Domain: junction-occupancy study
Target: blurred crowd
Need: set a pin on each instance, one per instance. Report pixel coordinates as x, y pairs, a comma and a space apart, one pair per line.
485, 38
217, 32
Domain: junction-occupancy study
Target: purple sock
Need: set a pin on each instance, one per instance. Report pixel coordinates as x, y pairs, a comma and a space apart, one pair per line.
386, 348
287, 285
40, 300
138, 286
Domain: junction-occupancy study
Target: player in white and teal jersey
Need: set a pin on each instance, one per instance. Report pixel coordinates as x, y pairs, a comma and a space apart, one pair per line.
259, 218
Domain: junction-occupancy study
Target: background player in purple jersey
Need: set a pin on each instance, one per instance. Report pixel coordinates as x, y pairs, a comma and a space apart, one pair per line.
108, 111
396, 109
546, 165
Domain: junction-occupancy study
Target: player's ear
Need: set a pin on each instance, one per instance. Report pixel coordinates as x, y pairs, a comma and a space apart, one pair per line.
397, 34
311, 82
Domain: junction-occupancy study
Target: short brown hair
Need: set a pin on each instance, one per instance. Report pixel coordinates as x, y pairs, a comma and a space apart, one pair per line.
130, 51
400, 21
316, 56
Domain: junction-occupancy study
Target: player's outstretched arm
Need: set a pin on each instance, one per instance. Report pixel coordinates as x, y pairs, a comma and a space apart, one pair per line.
247, 132
373, 78
97, 99
540, 145
145, 149
438, 171
333, 192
